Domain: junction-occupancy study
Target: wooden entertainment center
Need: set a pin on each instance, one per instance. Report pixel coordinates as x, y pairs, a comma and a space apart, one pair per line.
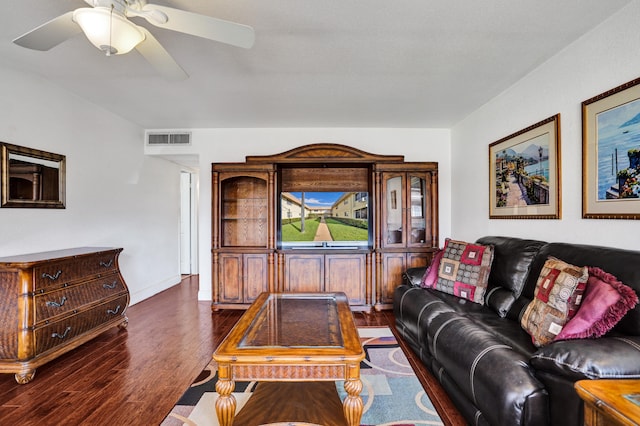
249, 257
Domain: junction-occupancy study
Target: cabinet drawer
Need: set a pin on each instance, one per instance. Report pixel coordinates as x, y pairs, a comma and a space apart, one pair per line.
74, 297
65, 330
56, 273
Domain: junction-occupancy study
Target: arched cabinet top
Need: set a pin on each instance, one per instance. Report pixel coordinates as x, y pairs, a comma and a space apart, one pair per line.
325, 152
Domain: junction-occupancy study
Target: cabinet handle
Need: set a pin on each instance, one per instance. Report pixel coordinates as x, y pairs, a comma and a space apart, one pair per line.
110, 286
110, 311
106, 264
53, 304
63, 335
52, 277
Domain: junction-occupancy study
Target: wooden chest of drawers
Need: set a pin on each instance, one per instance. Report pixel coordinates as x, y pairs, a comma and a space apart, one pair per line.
52, 302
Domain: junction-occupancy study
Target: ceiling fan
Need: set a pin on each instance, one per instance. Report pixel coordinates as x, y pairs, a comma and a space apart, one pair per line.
107, 27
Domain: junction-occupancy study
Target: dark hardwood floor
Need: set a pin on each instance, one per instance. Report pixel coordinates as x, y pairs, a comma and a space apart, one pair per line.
135, 376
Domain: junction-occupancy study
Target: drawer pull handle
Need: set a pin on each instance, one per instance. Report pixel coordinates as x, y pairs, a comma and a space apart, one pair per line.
111, 311
52, 277
110, 286
106, 264
63, 335
53, 304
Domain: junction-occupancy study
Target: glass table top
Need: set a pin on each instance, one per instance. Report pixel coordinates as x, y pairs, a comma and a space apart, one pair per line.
288, 321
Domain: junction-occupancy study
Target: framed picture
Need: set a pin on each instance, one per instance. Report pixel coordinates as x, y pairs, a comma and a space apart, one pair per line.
524, 173
611, 154
31, 178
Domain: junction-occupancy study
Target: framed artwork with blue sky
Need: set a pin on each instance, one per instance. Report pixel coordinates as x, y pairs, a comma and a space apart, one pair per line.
611, 154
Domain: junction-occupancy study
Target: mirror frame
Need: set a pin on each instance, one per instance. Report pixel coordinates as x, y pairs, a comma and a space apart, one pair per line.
5, 150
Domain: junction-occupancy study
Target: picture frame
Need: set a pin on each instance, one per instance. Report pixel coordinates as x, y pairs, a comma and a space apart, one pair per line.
31, 178
611, 154
524, 173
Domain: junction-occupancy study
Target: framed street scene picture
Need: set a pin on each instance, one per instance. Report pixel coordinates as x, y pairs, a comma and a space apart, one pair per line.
524, 173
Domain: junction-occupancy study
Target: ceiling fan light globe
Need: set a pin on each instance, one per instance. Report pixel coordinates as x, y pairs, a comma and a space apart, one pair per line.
109, 32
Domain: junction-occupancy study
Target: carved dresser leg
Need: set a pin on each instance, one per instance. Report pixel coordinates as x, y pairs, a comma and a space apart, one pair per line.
26, 377
123, 325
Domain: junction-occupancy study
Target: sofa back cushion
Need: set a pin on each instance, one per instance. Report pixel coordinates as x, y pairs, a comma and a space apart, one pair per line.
512, 259
623, 264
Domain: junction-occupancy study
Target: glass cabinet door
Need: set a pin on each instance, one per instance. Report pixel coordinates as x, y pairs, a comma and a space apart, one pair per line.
394, 210
417, 210
406, 210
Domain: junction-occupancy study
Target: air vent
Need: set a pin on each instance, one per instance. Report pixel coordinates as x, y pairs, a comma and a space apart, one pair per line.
169, 138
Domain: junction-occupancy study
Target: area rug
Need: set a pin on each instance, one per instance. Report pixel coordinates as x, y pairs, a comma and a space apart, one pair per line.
391, 393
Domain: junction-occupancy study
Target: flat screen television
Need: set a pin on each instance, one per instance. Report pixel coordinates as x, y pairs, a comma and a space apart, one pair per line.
324, 219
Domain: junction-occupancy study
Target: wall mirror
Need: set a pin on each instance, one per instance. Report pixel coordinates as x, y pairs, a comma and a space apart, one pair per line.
31, 178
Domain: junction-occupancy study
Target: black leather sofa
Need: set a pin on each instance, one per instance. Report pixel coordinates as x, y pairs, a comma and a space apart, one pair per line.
485, 360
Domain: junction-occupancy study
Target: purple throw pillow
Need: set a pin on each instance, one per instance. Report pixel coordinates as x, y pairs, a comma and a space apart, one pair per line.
606, 300
431, 274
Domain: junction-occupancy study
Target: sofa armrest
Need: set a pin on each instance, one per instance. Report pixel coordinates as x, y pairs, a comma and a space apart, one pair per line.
604, 358
413, 276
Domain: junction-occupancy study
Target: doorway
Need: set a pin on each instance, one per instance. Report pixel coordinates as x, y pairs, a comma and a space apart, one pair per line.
188, 223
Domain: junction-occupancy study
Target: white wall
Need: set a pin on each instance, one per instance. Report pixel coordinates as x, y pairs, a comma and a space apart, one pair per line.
226, 145
606, 57
115, 195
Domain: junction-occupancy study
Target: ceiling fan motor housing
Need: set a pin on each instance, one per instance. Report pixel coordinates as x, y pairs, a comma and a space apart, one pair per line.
119, 6
108, 29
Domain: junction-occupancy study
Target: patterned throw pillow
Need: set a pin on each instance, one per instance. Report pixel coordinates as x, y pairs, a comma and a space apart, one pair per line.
464, 270
556, 300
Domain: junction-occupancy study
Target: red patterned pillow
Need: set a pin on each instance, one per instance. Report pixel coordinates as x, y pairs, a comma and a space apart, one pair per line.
431, 274
606, 300
464, 270
556, 300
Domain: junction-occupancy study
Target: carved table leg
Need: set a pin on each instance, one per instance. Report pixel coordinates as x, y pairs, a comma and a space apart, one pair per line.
25, 377
352, 404
226, 403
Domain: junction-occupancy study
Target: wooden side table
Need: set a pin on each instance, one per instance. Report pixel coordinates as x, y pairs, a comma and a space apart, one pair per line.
610, 402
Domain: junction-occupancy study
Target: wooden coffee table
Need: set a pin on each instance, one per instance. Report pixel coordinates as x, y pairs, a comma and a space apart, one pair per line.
294, 337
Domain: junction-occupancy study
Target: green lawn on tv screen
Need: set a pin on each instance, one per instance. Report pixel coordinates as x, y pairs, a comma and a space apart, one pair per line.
339, 231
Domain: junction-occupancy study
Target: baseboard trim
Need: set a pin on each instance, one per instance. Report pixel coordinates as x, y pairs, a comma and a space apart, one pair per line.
145, 293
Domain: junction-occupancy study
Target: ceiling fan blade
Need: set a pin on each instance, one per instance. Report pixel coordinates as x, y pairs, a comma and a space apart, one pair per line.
50, 33
202, 26
151, 49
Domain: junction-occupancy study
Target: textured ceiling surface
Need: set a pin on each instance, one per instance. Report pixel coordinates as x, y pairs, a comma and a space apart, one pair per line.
331, 63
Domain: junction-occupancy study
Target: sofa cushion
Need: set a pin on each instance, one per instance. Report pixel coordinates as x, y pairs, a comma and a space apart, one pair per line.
481, 363
500, 300
591, 358
557, 297
512, 259
464, 270
606, 300
460, 305
507, 331
431, 273
530, 410
414, 308
413, 276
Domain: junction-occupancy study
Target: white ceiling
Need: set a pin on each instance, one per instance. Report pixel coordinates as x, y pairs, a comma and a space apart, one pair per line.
315, 63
